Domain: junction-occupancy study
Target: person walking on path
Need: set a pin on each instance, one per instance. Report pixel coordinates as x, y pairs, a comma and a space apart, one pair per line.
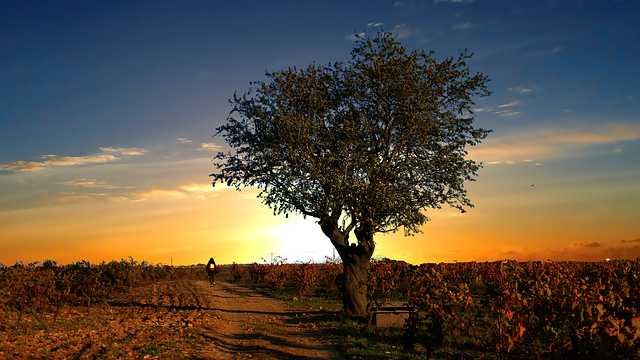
212, 270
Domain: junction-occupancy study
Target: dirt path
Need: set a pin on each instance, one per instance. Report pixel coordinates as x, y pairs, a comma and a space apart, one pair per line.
173, 320
253, 326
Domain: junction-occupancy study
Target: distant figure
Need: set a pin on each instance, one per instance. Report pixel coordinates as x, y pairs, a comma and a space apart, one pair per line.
212, 270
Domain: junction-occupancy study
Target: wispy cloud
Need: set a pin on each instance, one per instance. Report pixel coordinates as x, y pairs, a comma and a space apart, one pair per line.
354, 36
481, 110
190, 188
630, 241
398, 3
464, 26
209, 146
507, 113
449, 251
74, 198
509, 104
183, 140
541, 53
508, 162
90, 183
54, 160
402, 31
552, 140
208, 187
577, 251
160, 194
372, 24
125, 151
605, 133
49, 161
589, 245
453, 1
520, 89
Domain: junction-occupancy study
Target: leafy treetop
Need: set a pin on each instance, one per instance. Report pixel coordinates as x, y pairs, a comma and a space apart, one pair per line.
368, 145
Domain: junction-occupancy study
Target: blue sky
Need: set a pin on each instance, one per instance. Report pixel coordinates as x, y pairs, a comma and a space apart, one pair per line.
111, 103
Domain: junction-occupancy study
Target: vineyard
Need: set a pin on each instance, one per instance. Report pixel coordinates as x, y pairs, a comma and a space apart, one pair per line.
505, 310
94, 305
492, 310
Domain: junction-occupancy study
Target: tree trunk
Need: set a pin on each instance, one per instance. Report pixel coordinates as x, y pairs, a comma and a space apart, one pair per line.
355, 261
354, 281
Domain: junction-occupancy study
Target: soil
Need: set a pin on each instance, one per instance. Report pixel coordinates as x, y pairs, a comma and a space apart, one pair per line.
174, 320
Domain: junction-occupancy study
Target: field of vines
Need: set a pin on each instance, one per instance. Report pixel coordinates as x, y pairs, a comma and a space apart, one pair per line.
492, 310
504, 310
35, 295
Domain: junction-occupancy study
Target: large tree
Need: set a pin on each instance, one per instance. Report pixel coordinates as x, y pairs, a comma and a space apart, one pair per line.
365, 147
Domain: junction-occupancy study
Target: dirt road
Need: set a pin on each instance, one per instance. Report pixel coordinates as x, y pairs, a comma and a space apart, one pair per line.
253, 326
174, 320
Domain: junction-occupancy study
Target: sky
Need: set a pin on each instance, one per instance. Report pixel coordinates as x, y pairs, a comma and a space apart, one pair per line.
108, 111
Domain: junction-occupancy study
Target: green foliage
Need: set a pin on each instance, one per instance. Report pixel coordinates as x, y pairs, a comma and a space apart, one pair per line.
376, 140
152, 349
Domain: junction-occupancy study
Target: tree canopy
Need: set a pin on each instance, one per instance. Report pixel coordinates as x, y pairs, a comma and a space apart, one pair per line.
369, 145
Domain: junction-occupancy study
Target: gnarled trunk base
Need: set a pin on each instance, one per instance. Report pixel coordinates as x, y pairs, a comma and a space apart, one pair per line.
354, 284
355, 261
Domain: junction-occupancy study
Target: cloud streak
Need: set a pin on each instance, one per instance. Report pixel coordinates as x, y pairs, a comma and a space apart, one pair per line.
520, 89
125, 151
552, 140
354, 37
507, 113
209, 146
402, 31
589, 245
54, 160
90, 183
578, 251
509, 104
208, 187
160, 194
464, 26
49, 161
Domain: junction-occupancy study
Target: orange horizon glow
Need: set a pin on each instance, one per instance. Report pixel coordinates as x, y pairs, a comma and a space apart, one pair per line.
234, 226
